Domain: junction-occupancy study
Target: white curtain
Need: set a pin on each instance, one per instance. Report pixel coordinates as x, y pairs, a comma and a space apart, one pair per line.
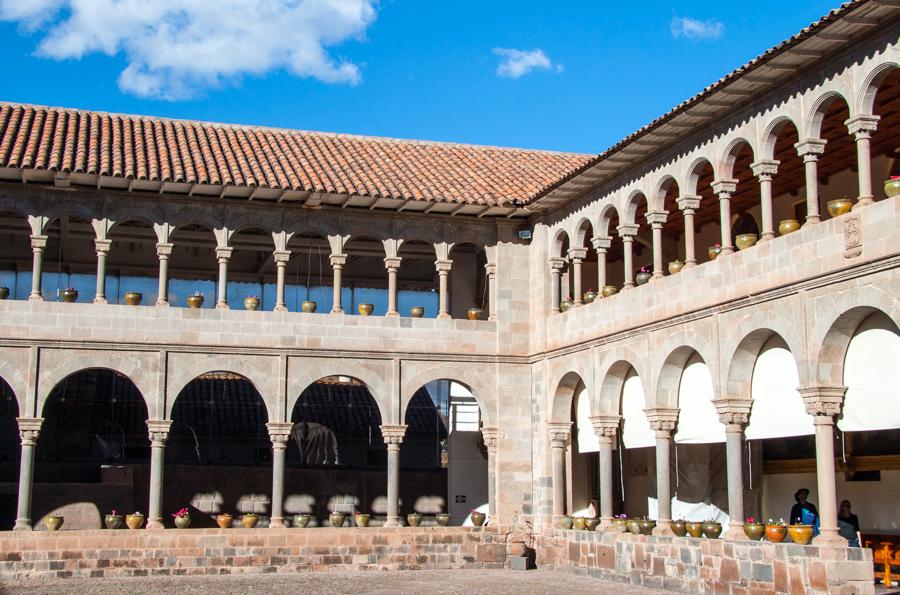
778, 410
698, 421
636, 432
872, 377
587, 438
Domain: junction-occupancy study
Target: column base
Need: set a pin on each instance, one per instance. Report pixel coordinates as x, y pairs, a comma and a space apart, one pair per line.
100, 300
162, 303
492, 317
155, 525
337, 310
35, 298
23, 525
726, 250
863, 201
657, 275
766, 236
444, 315
277, 522
735, 532
222, 306
663, 529
831, 538
627, 286
690, 263
393, 522
605, 524
812, 220
280, 309
393, 314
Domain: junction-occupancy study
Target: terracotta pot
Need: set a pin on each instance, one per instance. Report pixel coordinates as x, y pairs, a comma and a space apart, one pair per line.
336, 519
679, 528
609, 290
800, 534
564, 305
417, 312
892, 187
775, 533
134, 521
647, 526
195, 301
478, 519
362, 520
114, 521
694, 529
591, 524
249, 521
182, 522
745, 240
714, 251
308, 307
634, 526
224, 520
53, 523
754, 531
442, 518
365, 309
712, 530
4, 293
589, 296
675, 267
565, 522
251, 303
787, 226
474, 313
620, 525
642, 278
134, 298
414, 519
69, 295
301, 521
578, 523
839, 206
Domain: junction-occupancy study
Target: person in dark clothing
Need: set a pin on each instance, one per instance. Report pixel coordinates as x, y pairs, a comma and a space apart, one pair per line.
848, 524
804, 512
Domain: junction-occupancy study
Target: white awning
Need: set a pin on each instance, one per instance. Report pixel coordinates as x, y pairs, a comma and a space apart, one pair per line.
872, 377
636, 432
698, 421
778, 411
587, 438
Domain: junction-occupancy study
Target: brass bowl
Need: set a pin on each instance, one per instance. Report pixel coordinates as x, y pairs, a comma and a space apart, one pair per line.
365, 309
839, 206
745, 240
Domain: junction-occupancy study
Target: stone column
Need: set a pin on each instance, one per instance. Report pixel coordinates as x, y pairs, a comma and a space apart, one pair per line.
159, 433
223, 254
392, 264
337, 265
556, 267
490, 270
734, 415
38, 243
282, 258
29, 430
601, 245
489, 435
101, 247
606, 426
656, 219
824, 404
559, 437
279, 433
862, 127
627, 233
764, 170
163, 251
443, 270
393, 437
809, 150
689, 206
724, 189
577, 256
663, 423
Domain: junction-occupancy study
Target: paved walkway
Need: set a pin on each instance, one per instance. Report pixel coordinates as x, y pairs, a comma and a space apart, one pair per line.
468, 582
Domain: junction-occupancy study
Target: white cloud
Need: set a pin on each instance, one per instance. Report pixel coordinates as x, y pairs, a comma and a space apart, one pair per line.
516, 63
177, 48
696, 29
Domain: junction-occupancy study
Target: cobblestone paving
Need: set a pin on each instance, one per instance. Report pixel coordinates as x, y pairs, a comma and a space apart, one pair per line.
469, 582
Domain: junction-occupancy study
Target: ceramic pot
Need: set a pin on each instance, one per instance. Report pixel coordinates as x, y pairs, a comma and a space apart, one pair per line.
69, 295
195, 301
365, 309
787, 226
114, 521
565, 522
714, 251
224, 520
647, 526
578, 523
362, 520
417, 312
591, 524
301, 521
892, 187
443, 519
712, 530
679, 528
620, 525
336, 519
694, 529
414, 519
134, 298
775, 533
53, 523
249, 521
745, 240
308, 307
182, 522
839, 206
565, 305
589, 296
642, 278
754, 531
800, 534
474, 313
134, 521
609, 290
634, 526
4, 293
675, 267
478, 519
251, 303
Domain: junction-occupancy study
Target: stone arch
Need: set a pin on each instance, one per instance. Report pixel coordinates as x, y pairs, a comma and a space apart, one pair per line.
770, 135
865, 102
374, 375
813, 122
743, 360
479, 379
833, 349
692, 175
563, 397
559, 241
311, 227
602, 229
149, 213
580, 232
405, 402
11, 371
660, 189
670, 371
632, 203
730, 154
611, 376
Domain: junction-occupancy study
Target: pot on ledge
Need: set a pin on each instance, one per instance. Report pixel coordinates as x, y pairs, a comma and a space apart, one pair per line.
634, 526
251, 303
478, 518
308, 307
414, 519
69, 295
714, 252
712, 530
195, 301
417, 312
4, 293
301, 521
745, 240
474, 313
249, 520
578, 523
565, 522
754, 531
609, 290
647, 526
839, 206
679, 528
114, 521
589, 296
800, 534
365, 309
224, 520
591, 523
775, 533
53, 522
182, 522
134, 521
620, 525
362, 519
442, 518
675, 266
134, 298
892, 186
787, 226
336, 519
564, 305
694, 529
642, 278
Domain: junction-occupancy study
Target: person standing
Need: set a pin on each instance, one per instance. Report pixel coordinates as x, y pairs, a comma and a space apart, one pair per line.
848, 524
804, 512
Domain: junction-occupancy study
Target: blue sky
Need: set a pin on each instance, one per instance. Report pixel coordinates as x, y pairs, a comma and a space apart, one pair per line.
569, 76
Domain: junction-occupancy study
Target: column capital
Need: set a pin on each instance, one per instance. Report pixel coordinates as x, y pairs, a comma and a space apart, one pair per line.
392, 262
164, 249
443, 266
823, 401
489, 435
38, 242
279, 432
491, 269
688, 203
393, 434
765, 168
733, 412
338, 260
223, 253
577, 253
559, 432
601, 243
656, 218
862, 126
662, 419
281, 256
810, 148
102, 246
158, 430
556, 263
724, 186
606, 426
627, 231
29, 429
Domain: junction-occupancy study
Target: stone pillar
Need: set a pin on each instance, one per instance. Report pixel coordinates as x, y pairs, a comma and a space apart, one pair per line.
724, 189
393, 437
559, 437
601, 245
627, 233
764, 170
29, 430
392, 264
689, 206
656, 219
824, 404
337, 265
279, 433
101, 247
606, 426
556, 267
38, 243
809, 150
663, 423
489, 435
443, 270
159, 433
577, 256
862, 127
734, 415
490, 270
282, 258
163, 251
223, 254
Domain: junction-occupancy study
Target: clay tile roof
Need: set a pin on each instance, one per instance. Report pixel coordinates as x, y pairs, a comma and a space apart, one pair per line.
164, 150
